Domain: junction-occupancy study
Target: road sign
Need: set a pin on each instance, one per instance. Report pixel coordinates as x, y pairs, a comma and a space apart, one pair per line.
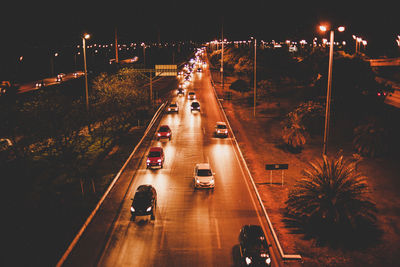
276, 166
166, 70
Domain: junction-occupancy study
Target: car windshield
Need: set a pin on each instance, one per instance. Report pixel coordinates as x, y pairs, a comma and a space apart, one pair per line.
204, 172
154, 154
172, 105
191, 93
163, 129
195, 104
221, 126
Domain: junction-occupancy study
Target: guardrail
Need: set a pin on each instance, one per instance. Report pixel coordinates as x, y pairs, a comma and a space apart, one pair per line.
278, 244
93, 213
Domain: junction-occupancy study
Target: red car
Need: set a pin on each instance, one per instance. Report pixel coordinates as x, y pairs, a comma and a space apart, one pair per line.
164, 132
155, 158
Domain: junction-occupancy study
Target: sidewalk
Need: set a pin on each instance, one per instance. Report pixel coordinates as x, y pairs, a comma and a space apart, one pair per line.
260, 141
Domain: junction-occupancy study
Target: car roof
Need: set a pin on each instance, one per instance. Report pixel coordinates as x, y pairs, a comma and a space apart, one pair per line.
144, 188
156, 149
172, 103
253, 231
164, 125
203, 166
221, 123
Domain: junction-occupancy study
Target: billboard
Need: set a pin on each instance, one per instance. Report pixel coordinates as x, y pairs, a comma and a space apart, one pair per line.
166, 70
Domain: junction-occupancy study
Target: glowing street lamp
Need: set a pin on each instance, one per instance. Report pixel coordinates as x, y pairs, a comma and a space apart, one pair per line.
329, 86
84, 38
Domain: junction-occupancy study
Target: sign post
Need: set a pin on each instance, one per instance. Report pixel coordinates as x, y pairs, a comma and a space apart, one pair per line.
273, 167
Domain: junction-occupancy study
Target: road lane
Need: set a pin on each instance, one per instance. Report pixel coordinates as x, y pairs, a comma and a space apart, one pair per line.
192, 227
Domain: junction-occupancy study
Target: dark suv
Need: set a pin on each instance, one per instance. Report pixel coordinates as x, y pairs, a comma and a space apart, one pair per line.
144, 202
195, 106
254, 249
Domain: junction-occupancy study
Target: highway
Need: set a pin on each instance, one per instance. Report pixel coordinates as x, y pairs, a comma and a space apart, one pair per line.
192, 227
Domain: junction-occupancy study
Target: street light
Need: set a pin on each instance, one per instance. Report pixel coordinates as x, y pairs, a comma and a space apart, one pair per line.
329, 86
84, 38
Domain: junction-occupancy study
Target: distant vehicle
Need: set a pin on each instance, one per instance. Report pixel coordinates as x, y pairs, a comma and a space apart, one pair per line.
155, 158
254, 249
173, 107
191, 95
6, 87
144, 202
59, 78
5, 144
39, 84
164, 132
198, 69
180, 91
221, 129
203, 176
195, 106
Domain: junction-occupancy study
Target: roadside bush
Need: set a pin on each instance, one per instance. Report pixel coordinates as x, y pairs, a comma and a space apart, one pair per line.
240, 86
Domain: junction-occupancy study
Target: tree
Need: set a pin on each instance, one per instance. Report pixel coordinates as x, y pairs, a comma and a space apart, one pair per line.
332, 200
240, 86
294, 134
371, 139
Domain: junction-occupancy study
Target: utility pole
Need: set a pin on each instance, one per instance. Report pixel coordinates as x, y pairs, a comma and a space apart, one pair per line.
328, 95
222, 57
255, 78
116, 46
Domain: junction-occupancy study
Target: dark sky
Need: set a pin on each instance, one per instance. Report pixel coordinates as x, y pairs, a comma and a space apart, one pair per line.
59, 23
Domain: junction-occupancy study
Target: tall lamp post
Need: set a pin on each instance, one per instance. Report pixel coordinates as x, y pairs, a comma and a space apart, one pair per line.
329, 86
84, 38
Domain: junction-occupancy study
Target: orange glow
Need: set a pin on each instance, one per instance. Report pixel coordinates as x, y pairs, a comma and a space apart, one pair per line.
86, 36
323, 28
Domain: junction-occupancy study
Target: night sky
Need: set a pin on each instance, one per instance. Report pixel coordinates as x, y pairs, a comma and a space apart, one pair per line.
62, 23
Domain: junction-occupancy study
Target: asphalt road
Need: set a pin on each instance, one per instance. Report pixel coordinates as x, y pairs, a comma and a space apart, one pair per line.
192, 227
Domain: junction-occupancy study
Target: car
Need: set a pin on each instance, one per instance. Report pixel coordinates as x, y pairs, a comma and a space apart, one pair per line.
191, 95
59, 78
164, 132
203, 176
180, 91
6, 88
253, 246
198, 69
173, 107
221, 129
144, 202
5, 144
155, 158
39, 84
195, 106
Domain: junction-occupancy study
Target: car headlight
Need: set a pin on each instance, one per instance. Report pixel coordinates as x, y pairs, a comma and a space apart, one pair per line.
197, 181
168, 134
132, 209
212, 181
268, 261
148, 161
248, 260
169, 109
149, 209
159, 160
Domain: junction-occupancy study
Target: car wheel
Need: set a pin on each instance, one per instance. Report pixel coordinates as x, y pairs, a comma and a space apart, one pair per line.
153, 216
133, 218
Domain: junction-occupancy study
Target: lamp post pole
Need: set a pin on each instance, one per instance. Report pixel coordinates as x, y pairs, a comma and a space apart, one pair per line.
328, 95
255, 77
86, 78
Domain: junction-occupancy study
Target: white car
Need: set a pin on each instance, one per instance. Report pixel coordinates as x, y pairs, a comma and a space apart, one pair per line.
221, 129
203, 176
173, 107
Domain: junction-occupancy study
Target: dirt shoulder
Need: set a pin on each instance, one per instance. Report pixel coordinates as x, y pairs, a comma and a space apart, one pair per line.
260, 138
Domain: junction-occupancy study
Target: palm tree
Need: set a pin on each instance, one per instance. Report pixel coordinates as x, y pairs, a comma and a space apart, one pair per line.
294, 134
332, 197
